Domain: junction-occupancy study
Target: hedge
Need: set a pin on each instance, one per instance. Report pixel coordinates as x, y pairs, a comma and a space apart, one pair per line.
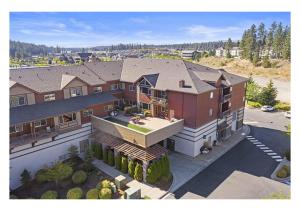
97, 151
118, 162
124, 165
131, 166
42, 176
253, 104
138, 172
158, 169
105, 193
50, 194
282, 106
75, 193
283, 172
79, 177
110, 158
92, 194
105, 156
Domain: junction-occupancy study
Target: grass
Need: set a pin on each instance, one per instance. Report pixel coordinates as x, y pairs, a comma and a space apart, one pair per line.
129, 125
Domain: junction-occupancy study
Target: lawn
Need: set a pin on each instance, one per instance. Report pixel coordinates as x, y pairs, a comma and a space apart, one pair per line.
129, 125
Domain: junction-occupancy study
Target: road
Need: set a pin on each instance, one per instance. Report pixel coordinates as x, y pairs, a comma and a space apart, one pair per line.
245, 156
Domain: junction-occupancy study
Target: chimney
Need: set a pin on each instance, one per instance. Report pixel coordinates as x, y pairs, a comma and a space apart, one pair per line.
181, 83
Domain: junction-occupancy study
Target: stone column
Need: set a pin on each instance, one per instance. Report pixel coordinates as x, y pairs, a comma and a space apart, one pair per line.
145, 165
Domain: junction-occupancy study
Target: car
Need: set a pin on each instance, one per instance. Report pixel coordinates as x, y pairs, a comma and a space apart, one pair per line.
287, 114
267, 108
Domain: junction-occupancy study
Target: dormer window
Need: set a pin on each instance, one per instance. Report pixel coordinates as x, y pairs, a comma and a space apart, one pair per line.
18, 100
97, 89
114, 87
145, 90
75, 91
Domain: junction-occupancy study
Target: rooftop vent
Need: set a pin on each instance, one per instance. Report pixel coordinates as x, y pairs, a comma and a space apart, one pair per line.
20, 76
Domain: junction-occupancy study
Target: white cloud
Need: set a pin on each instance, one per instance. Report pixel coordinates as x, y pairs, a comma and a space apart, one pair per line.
80, 24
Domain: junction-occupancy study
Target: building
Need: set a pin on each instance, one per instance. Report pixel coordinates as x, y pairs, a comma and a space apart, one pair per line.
188, 54
220, 52
234, 52
191, 107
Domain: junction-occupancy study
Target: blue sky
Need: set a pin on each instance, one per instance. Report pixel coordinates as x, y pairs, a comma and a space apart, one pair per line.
86, 29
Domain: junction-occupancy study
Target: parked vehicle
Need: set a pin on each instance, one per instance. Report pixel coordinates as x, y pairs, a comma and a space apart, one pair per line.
287, 114
267, 108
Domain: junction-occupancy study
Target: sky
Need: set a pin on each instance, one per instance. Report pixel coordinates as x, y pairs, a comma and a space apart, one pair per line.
87, 29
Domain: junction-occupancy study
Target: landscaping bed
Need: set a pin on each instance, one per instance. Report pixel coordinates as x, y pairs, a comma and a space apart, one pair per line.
129, 125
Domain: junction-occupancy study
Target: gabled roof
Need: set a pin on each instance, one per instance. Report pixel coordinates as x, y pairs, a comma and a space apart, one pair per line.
66, 79
11, 83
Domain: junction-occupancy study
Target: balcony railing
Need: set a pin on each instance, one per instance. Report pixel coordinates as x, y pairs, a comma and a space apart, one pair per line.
68, 124
224, 113
158, 100
225, 97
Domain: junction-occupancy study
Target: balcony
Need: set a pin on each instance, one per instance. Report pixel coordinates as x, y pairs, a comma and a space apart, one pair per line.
145, 133
223, 98
224, 113
158, 100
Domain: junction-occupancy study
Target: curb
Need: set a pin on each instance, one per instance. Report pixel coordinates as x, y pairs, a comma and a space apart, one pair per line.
247, 132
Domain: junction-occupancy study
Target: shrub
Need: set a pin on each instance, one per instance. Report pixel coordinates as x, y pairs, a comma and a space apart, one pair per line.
253, 104
266, 62
105, 184
105, 156
73, 152
88, 159
166, 167
147, 113
118, 162
131, 168
150, 174
110, 158
282, 106
283, 172
42, 176
124, 165
105, 193
79, 177
138, 172
75, 193
50, 194
287, 154
92, 194
97, 150
25, 177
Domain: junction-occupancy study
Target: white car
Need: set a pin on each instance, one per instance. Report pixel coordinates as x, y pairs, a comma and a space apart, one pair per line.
287, 114
267, 108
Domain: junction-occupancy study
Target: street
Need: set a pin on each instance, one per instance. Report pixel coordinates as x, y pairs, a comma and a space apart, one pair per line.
258, 154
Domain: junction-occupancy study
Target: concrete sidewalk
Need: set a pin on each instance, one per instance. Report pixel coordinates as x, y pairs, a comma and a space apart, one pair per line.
146, 189
185, 168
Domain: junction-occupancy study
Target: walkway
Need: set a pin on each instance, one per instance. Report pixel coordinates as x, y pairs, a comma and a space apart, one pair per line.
146, 189
185, 168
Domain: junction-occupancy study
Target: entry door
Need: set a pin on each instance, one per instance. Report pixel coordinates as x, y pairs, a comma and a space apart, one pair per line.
170, 144
84, 145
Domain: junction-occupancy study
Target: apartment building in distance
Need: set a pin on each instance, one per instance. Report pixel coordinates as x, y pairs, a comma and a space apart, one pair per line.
54, 107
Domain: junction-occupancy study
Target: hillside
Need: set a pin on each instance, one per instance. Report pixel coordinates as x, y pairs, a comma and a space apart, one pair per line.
281, 69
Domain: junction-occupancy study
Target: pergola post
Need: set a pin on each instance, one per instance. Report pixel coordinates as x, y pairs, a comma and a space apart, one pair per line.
145, 166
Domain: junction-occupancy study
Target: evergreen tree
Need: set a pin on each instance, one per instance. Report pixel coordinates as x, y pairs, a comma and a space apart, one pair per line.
25, 178
261, 37
268, 95
253, 90
278, 41
138, 172
228, 47
88, 159
73, 152
131, 167
287, 44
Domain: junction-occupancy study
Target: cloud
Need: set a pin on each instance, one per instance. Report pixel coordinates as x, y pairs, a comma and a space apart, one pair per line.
138, 20
80, 24
211, 32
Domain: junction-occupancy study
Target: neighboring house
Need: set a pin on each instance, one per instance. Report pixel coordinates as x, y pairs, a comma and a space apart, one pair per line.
234, 52
53, 107
188, 54
220, 52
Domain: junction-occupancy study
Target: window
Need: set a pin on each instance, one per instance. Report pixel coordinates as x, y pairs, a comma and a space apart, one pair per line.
145, 106
75, 91
210, 112
211, 95
87, 112
16, 128
131, 87
97, 89
108, 107
49, 97
114, 87
67, 118
122, 86
146, 90
40, 123
18, 100
244, 99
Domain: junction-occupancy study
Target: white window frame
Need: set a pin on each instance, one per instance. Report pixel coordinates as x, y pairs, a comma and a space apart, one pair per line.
98, 89
87, 112
114, 87
40, 123
132, 87
16, 99
17, 128
108, 107
49, 97
78, 91
149, 90
74, 117
210, 112
211, 96
122, 85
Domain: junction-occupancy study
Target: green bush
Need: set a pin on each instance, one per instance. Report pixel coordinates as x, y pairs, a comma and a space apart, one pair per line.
166, 167
79, 177
138, 172
124, 165
75, 193
73, 152
42, 176
253, 104
105, 156
88, 160
118, 162
50, 194
282, 106
105, 184
131, 166
110, 158
150, 178
287, 154
97, 151
25, 177
283, 172
266, 62
92, 194
105, 193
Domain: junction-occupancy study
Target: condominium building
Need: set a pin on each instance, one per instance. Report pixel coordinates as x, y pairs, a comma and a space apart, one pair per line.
190, 107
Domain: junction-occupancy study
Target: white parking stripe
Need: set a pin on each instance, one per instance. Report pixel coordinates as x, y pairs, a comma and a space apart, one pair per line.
257, 143
272, 153
260, 145
253, 141
276, 156
268, 150
264, 148
278, 160
249, 136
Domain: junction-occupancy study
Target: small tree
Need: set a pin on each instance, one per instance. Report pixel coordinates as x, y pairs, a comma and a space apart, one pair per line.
266, 62
138, 172
105, 155
118, 162
110, 158
88, 159
59, 172
268, 95
124, 165
25, 177
253, 90
73, 151
131, 166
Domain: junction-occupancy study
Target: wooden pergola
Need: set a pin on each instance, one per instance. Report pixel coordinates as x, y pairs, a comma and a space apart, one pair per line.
131, 150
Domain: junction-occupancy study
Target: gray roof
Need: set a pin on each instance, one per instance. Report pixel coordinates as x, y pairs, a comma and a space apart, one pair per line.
39, 111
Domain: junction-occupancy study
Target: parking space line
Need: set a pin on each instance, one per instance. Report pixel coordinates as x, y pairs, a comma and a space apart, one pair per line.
260, 145
276, 156
278, 160
268, 150
264, 148
257, 143
272, 153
